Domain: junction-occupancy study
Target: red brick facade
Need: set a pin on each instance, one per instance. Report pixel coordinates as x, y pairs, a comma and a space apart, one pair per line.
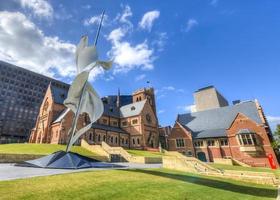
208, 149
135, 131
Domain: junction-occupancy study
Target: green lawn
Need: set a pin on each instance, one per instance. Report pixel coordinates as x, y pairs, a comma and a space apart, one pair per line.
144, 153
40, 149
240, 168
150, 184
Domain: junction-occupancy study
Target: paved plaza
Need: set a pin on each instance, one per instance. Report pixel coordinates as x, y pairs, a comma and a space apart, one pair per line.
10, 171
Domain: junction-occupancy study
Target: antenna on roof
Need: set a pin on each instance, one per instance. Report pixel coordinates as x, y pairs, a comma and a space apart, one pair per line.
99, 27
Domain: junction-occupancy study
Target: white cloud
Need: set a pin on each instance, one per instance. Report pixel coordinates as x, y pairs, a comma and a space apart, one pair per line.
116, 35
148, 19
40, 8
123, 17
94, 20
160, 41
126, 14
161, 111
273, 121
27, 46
169, 88
24, 44
140, 77
128, 56
86, 7
214, 2
190, 24
187, 108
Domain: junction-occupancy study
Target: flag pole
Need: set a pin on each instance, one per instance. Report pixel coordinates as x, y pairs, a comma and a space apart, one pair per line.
76, 117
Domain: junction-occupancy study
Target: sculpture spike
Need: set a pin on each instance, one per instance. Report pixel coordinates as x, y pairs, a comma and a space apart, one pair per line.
99, 27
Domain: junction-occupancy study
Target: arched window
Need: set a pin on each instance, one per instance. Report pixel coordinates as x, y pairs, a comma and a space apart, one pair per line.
90, 136
122, 141
133, 141
99, 138
104, 138
138, 141
116, 140
126, 141
112, 139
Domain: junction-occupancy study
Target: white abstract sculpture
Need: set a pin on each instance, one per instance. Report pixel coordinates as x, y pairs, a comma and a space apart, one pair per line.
82, 98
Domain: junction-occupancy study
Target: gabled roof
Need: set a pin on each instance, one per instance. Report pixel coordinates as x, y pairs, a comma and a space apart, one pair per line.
59, 94
132, 109
213, 133
214, 122
108, 128
61, 115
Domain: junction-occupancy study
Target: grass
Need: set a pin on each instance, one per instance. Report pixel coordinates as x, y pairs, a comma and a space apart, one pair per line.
144, 153
40, 149
149, 184
241, 168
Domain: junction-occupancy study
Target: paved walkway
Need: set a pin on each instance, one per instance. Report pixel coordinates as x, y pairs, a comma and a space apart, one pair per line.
10, 171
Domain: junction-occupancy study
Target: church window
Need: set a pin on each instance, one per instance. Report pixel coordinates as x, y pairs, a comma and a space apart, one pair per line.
116, 140
138, 141
135, 121
133, 141
90, 136
224, 142
124, 123
112, 139
104, 138
198, 143
148, 118
99, 138
211, 143
104, 121
180, 142
248, 139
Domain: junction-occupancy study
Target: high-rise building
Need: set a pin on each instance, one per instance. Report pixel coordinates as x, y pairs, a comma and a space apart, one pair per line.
21, 94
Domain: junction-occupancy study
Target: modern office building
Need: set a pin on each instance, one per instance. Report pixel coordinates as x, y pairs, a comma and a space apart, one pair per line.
21, 94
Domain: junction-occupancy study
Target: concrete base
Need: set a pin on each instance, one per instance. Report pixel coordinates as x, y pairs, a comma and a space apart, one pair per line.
9, 171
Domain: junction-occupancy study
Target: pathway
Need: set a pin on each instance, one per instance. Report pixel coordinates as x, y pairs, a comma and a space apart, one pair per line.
9, 171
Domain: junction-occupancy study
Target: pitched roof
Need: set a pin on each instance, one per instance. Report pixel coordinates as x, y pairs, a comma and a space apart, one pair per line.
132, 109
59, 94
108, 128
214, 122
213, 133
61, 115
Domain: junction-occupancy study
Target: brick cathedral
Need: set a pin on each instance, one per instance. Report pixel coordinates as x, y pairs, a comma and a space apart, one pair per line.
129, 121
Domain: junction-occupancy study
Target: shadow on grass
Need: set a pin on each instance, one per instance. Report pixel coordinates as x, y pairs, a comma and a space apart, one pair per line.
218, 184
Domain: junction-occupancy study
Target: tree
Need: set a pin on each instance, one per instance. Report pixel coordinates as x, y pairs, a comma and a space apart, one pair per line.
277, 132
276, 142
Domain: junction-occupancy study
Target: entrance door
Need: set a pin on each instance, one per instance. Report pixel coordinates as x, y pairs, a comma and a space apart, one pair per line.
201, 156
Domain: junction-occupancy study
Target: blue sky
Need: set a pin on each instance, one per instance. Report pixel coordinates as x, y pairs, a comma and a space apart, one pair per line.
179, 46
